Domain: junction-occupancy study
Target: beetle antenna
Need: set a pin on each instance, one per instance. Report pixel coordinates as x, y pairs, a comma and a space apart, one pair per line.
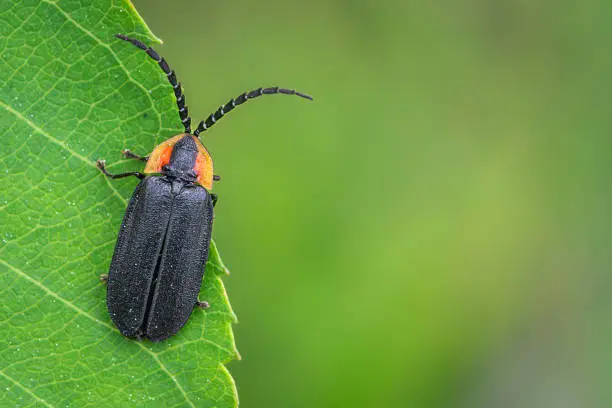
223, 109
178, 93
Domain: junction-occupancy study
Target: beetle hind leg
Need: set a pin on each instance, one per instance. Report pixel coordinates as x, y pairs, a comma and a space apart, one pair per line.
128, 154
139, 335
202, 304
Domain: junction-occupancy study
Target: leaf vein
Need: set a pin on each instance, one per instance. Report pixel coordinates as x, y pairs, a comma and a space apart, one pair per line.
95, 319
60, 144
105, 45
36, 397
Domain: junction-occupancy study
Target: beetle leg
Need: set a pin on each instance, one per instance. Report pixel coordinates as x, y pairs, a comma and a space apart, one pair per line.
215, 198
104, 277
139, 336
202, 304
102, 166
216, 177
127, 153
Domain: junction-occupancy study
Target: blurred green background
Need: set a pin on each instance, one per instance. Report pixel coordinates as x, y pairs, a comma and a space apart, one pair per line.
434, 230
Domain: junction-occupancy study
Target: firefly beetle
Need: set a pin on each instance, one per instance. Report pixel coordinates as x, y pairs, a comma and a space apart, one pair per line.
158, 264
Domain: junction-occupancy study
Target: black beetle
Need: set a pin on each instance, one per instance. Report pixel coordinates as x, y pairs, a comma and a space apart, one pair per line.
158, 265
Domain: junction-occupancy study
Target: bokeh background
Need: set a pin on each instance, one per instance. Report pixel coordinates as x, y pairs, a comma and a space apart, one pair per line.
432, 231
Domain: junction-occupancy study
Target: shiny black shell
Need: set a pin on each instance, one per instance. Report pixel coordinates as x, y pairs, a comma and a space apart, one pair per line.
158, 264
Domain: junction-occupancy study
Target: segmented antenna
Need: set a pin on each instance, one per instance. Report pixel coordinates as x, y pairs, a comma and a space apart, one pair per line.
178, 93
223, 109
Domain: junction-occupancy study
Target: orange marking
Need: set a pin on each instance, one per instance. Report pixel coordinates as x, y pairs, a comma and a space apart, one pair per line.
203, 166
164, 158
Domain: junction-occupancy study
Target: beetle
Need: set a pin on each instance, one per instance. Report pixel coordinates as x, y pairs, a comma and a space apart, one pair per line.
158, 264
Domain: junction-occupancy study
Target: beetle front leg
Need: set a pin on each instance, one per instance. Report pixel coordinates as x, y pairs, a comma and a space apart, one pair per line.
102, 166
202, 304
127, 153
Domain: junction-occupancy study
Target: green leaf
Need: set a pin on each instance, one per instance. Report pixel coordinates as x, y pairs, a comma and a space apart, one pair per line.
71, 93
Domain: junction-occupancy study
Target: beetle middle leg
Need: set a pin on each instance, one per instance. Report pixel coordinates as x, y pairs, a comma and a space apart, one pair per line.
104, 277
202, 304
214, 198
127, 153
102, 166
